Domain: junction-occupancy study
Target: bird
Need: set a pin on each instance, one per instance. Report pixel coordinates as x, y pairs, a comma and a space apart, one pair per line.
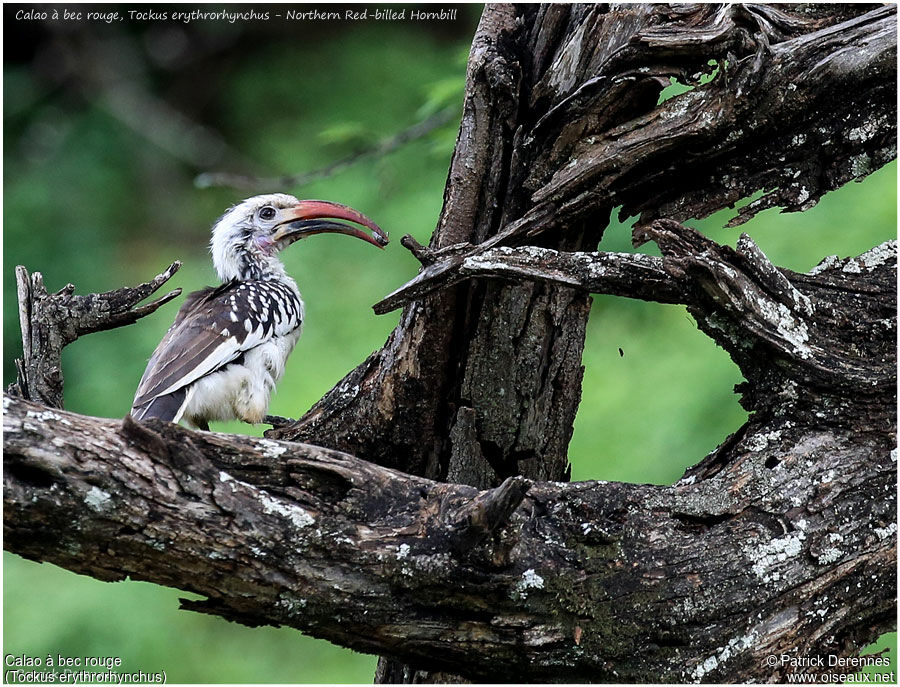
227, 349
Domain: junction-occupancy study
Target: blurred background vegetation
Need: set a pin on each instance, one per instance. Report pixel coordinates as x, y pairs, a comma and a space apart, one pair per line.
107, 127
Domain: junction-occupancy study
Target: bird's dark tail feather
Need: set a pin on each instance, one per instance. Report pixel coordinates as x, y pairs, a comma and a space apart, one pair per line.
163, 407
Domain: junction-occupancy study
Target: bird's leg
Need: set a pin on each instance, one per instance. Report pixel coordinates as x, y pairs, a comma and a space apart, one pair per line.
278, 421
202, 424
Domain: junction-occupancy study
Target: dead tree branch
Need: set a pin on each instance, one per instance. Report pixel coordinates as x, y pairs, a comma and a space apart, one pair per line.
50, 322
717, 282
577, 582
801, 107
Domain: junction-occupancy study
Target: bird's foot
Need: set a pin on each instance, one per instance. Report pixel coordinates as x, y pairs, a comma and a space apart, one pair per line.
278, 421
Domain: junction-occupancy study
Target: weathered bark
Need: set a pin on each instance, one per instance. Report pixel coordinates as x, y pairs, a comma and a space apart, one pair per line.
781, 540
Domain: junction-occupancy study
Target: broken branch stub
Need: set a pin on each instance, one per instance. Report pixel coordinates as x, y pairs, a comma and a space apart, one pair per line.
49, 322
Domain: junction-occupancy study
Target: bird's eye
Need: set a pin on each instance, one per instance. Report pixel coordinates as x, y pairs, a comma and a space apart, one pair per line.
267, 212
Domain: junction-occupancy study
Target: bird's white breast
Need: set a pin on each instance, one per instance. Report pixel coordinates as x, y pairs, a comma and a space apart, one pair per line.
242, 389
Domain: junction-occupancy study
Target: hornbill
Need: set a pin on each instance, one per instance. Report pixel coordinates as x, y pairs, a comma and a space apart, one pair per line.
227, 349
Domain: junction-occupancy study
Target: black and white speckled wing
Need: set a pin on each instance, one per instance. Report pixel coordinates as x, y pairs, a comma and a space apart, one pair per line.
214, 327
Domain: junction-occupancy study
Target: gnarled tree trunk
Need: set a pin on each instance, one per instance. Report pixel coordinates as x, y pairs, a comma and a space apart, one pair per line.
781, 541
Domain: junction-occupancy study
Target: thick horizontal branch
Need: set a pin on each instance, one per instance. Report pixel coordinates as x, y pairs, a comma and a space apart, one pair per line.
573, 582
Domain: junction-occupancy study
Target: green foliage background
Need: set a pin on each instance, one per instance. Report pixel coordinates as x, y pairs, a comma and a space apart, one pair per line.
93, 199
